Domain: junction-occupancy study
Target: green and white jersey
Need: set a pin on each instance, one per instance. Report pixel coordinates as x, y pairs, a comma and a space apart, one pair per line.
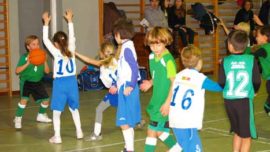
31, 72
238, 71
161, 70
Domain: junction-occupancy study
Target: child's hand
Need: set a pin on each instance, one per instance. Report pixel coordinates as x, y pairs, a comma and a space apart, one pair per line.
127, 91
146, 85
46, 18
113, 90
165, 108
68, 15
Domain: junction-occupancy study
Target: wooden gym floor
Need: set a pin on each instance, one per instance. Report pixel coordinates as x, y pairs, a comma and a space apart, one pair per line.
34, 136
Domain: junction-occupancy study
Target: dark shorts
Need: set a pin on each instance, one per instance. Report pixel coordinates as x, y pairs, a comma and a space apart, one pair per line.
36, 89
238, 112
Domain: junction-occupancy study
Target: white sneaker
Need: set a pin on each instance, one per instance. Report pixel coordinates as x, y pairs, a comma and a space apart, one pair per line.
55, 140
94, 137
18, 122
43, 118
79, 134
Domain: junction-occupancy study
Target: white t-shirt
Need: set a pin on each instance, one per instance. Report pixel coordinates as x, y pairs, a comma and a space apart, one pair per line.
63, 66
187, 105
108, 74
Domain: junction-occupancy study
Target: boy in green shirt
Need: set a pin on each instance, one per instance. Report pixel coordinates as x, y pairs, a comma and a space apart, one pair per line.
30, 83
163, 71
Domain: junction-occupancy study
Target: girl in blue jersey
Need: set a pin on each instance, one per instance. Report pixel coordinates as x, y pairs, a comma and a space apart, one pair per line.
129, 109
62, 49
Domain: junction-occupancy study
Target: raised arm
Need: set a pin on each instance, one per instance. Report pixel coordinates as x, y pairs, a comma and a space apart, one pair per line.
71, 36
46, 19
88, 60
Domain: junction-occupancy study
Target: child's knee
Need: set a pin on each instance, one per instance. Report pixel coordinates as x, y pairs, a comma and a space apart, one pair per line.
23, 102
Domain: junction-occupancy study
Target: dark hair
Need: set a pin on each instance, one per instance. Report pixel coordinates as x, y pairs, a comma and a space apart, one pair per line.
29, 39
244, 3
124, 27
238, 39
265, 30
61, 39
180, 12
162, 6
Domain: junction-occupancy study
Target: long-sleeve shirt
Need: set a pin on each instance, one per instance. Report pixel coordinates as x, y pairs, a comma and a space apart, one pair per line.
63, 66
155, 17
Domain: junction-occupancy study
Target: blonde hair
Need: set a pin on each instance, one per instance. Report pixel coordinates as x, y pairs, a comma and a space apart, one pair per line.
108, 61
244, 27
29, 39
190, 56
158, 35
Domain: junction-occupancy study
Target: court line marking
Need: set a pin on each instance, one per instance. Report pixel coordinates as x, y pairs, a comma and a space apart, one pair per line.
103, 146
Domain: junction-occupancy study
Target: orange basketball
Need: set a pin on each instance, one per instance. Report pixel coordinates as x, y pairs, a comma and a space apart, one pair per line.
37, 57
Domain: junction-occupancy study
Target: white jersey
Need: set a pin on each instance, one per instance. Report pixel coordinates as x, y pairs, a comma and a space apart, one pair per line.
63, 66
187, 105
108, 74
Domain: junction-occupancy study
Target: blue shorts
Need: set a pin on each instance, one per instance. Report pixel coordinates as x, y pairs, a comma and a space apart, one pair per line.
112, 98
129, 108
188, 139
65, 91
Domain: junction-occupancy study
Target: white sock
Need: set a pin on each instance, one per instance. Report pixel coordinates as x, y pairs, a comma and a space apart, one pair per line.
151, 141
76, 118
56, 122
97, 128
129, 138
176, 148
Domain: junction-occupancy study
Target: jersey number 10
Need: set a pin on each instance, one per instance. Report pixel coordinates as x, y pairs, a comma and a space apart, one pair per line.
69, 69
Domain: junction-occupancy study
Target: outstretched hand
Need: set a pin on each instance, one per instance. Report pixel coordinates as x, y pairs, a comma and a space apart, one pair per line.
46, 18
68, 15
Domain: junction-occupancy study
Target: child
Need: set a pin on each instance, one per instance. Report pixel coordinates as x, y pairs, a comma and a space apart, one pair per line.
239, 76
129, 109
163, 71
30, 83
263, 39
108, 66
187, 104
62, 49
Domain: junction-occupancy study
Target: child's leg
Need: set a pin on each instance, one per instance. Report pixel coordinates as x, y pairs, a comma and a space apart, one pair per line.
236, 143
42, 116
151, 141
56, 126
128, 134
245, 144
19, 113
99, 115
77, 121
169, 141
21, 107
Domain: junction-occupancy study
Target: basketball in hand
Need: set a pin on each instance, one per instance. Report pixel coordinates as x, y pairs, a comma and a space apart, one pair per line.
37, 57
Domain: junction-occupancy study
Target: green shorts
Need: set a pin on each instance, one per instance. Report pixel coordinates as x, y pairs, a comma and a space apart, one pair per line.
159, 126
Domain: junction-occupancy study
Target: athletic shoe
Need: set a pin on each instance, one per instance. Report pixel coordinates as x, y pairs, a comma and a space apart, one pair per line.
94, 137
18, 122
140, 125
55, 140
43, 118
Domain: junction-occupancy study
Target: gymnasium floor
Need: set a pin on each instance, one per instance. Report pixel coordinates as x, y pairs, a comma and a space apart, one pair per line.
34, 136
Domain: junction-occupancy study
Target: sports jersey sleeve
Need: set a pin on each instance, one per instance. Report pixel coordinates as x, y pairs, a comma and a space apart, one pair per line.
133, 66
260, 53
171, 69
256, 79
52, 49
210, 85
71, 38
22, 61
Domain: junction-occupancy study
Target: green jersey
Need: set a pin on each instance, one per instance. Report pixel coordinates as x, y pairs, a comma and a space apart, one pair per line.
161, 69
247, 50
265, 62
238, 70
31, 72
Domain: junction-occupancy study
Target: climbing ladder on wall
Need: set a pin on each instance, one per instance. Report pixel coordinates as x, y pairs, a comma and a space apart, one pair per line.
5, 68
